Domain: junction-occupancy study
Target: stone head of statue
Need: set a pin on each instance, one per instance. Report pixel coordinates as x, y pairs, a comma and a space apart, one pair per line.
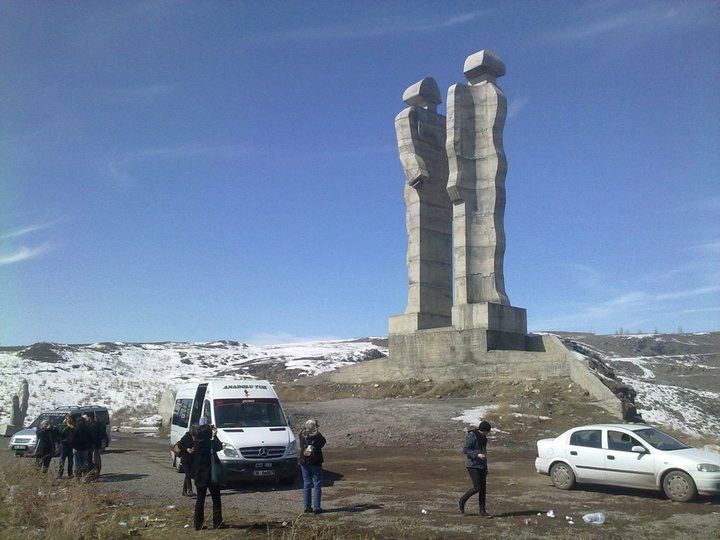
424, 94
483, 66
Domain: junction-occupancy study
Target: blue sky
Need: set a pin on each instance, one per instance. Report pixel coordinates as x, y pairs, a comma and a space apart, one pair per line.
205, 170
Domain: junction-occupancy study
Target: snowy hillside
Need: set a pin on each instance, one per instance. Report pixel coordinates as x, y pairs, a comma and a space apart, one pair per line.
134, 375
676, 376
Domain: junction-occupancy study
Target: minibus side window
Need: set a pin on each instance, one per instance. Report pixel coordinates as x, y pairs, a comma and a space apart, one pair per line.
206, 411
181, 413
197, 406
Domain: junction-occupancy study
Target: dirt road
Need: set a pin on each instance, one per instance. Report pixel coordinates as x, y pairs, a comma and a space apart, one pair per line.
394, 469
377, 486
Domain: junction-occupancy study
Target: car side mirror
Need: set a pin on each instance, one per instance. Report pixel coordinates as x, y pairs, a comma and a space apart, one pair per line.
639, 449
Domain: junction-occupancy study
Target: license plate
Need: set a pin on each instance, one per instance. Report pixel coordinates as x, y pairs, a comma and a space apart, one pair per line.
19, 447
263, 473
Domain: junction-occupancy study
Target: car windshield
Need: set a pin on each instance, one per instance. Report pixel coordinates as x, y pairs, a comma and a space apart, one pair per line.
660, 440
55, 419
230, 413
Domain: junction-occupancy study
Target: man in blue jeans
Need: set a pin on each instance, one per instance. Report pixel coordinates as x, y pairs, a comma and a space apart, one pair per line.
311, 459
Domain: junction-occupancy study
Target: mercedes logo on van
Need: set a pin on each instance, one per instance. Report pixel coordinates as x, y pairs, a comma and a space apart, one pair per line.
263, 452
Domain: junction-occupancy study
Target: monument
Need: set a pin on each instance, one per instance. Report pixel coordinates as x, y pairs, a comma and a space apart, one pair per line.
421, 142
458, 323
455, 196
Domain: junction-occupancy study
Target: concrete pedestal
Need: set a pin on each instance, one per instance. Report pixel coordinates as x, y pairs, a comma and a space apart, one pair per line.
412, 322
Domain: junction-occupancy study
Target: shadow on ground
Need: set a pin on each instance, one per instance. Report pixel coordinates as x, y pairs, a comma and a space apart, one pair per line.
122, 477
353, 509
329, 479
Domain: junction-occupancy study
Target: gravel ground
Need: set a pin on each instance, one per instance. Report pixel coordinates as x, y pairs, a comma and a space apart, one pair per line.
394, 469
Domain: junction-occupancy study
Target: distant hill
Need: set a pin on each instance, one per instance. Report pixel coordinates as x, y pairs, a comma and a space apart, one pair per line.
676, 376
134, 375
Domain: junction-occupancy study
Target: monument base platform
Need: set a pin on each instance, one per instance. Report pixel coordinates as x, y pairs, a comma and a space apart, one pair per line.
495, 317
412, 322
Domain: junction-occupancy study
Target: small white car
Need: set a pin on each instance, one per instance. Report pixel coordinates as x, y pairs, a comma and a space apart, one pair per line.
631, 455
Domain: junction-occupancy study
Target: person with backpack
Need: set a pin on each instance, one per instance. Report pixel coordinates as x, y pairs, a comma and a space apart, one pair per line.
185, 453
311, 460
475, 449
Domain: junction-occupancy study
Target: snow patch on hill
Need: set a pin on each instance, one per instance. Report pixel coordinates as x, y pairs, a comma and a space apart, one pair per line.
135, 375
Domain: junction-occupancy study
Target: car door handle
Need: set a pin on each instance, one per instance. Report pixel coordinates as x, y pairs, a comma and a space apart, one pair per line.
573, 453
611, 457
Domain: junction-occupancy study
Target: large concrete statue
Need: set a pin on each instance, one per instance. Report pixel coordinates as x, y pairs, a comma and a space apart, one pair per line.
455, 196
421, 143
476, 185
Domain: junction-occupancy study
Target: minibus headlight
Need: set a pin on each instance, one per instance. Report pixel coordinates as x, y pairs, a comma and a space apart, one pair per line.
229, 451
708, 467
291, 450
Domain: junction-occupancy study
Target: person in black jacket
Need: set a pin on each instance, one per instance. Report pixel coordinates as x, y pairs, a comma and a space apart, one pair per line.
185, 444
475, 448
47, 435
311, 460
203, 452
81, 440
96, 432
66, 451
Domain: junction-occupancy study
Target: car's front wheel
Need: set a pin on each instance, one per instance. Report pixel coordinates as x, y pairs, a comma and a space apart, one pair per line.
679, 486
562, 476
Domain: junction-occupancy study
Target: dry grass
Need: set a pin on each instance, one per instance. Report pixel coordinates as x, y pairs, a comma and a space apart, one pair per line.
34, 505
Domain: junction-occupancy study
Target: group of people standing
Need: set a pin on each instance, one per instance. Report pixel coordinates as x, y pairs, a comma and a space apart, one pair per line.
78, 443
197, 448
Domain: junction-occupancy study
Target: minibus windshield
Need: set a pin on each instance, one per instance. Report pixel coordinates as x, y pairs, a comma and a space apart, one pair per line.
241, 413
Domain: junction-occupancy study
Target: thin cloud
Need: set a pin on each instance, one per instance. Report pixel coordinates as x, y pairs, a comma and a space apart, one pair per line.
28, 230
651, 20
700, 291
353, 32
24, 253
117, 169
515, 106
628, 309
712, 247
586, 276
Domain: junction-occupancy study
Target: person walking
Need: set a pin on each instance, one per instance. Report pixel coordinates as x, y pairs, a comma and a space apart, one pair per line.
475, 448
186, 444
66, 451
203, 452
81, 442
311, 460
45, 448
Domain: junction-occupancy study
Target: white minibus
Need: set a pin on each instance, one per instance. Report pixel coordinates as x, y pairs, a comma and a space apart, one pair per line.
250, 422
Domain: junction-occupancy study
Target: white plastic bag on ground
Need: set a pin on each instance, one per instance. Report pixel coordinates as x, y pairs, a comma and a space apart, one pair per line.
596, 518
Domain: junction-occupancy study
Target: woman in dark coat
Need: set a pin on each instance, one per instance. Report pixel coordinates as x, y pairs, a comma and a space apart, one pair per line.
202, 455
186, 444
311, 460
45, 449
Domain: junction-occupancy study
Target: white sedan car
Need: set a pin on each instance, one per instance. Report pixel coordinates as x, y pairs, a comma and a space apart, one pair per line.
632, 455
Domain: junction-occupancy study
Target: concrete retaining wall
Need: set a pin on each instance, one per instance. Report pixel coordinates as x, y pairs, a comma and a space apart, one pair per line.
552, 362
